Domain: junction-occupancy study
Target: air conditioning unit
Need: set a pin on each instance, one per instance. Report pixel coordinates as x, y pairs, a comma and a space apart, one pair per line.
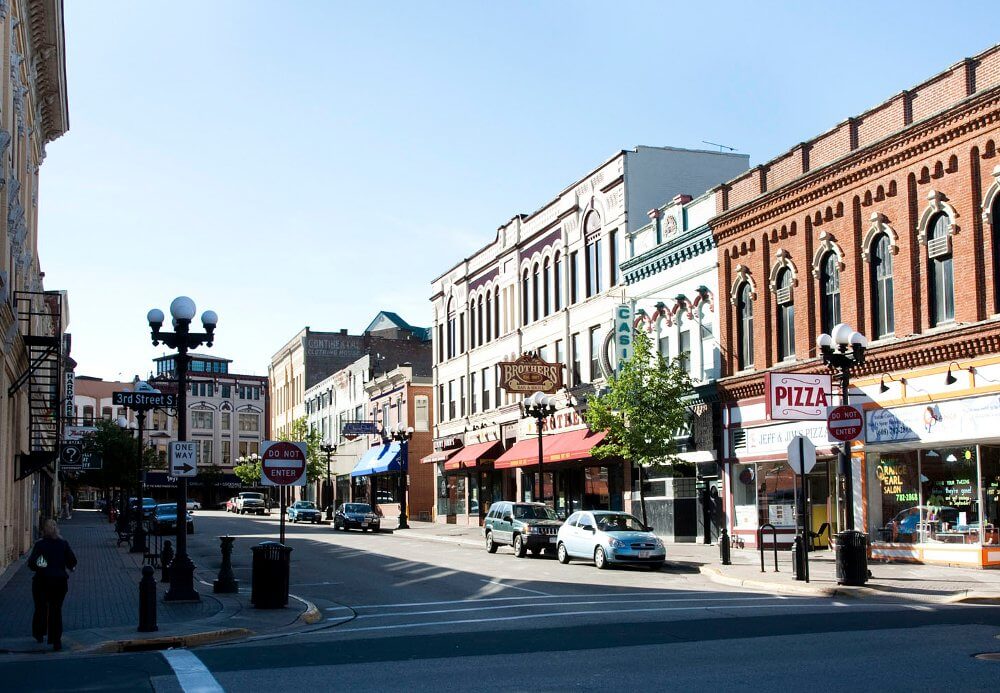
785, 296
938, 247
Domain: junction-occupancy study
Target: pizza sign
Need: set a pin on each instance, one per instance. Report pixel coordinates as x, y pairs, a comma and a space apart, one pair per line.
796, 396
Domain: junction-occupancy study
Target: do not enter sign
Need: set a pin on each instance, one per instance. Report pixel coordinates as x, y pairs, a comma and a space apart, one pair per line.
845, 423
283, 463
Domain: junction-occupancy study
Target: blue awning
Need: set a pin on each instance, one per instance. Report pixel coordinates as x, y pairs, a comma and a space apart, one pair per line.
378, 460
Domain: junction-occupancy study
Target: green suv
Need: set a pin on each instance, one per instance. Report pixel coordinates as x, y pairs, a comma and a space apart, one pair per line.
525, 526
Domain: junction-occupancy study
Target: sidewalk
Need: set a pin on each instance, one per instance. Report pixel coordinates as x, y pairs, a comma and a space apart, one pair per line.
101, 611
924, 583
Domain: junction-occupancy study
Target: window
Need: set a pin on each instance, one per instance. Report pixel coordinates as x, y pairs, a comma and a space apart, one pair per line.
473, 393
496, 312
574, 277
665, 346
525, 288
226, 420
227, 391
106, 413
203, 452
574, 370
451, 399
496, 386
452, 341
88, 415
881, 280
829, 288
995, 217
249, 447
942, 281
560, 352
486, 389
786, 314
227, 453
461, 333
595, 353
543, 352
744, 327
472, 324
489, 317
440, 344
546, 288
557, 283
613, 256
461, 394
441, 403
421, 413
249, 423
593, 266
684, 349
536, 290
479, 340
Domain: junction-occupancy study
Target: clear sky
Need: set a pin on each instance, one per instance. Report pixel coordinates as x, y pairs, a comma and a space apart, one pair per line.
316, 165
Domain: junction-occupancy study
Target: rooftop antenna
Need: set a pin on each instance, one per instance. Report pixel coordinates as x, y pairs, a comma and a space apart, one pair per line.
720, 146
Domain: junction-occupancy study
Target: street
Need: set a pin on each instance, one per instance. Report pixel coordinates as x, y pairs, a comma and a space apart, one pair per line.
474, 620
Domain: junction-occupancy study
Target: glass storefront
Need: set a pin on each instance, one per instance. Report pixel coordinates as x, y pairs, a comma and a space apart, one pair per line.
768, 492
581, 488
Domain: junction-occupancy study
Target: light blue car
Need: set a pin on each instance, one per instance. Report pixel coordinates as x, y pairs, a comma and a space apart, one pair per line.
609, 537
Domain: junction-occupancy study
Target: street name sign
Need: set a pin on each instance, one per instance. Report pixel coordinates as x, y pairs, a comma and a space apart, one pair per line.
845, 423
282, 463
801, 453
796, 396
183, 458
359, 428
145, 400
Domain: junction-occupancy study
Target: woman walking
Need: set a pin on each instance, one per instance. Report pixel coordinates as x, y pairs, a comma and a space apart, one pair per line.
50, 560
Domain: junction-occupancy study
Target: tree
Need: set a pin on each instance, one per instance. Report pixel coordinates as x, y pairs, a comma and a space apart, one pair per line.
642, 410
117, 449
248, 470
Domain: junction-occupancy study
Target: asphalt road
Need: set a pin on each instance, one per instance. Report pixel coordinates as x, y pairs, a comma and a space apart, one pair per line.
409, 614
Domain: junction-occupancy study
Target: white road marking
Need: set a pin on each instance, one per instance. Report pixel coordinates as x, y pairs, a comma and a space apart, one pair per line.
192, 675
919, 607
523, 589
565, 596
524, 617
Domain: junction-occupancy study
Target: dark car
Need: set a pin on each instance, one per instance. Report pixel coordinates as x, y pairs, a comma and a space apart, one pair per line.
358, 515
304, 511
525, 526
164, 519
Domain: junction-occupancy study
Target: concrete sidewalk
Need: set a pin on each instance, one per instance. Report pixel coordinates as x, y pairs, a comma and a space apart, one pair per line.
101, 611
924, 583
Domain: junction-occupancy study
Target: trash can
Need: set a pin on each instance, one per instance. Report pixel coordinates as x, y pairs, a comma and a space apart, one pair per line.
852, 558
269, 579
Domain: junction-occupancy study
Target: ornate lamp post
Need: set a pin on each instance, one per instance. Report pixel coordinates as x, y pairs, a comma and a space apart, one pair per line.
183, 310
540, 407
402, 434
329, 450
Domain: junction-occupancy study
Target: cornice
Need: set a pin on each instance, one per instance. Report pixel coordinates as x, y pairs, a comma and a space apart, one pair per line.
665, 256
48, 53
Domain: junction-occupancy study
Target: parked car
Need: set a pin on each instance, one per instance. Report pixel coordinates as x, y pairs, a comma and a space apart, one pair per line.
165, 519
525, 526
304, 510
608, 537
193, 505
251, 502
358, 515
148, 504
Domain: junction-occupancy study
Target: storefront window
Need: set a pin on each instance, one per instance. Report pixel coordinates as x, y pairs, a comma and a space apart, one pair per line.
950, 484
456, 501
990, 462
777, 484
745, 495
893, 505
596, 495
442, 490
473, 496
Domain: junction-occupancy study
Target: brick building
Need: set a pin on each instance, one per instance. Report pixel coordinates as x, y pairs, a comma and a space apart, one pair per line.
885, 222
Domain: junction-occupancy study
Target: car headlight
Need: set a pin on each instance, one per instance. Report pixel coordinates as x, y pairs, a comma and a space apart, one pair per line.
616, 543
658, 543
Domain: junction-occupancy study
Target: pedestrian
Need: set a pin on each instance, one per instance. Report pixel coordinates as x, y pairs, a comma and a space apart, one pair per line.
64, 508
50, 559
69, 504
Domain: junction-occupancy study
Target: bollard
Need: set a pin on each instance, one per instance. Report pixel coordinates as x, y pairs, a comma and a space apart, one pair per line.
147, 601
166, 557
800, 559
227, 582
725, 550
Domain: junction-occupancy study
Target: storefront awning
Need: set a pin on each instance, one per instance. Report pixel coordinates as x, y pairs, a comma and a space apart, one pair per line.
561, 447
472, 455
521, 454
378, 460
438, 456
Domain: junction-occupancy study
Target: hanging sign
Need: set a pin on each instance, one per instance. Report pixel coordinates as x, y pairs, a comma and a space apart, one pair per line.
529, 373
623, 335
796, 396
69, 412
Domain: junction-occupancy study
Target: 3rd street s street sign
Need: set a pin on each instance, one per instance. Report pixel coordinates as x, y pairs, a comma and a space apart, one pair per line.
145, 400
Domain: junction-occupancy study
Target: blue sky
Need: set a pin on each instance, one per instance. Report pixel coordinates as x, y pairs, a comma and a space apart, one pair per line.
316, 166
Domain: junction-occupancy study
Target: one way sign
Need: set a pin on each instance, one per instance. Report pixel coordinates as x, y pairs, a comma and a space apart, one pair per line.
182, 459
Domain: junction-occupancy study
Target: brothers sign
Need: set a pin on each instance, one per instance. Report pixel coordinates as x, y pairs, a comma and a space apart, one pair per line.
796, 396
530, 374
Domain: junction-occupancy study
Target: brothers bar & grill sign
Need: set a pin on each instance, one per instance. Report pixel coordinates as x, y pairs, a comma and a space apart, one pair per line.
529, 373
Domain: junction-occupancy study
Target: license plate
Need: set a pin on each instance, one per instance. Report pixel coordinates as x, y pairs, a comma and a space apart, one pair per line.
644, 554
364, 524
552, 540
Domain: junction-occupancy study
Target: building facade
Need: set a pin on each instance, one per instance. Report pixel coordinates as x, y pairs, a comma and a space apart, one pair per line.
548, 284
33, 112
887, 223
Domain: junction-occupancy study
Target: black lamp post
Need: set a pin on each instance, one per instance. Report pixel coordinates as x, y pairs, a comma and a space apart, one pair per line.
540, 407
329, 451
843, 350
183, 310
402, 434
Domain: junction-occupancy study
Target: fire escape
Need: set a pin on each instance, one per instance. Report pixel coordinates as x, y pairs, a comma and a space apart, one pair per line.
39, 314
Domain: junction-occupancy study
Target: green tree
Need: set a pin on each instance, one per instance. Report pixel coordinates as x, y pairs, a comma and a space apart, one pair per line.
248, 470
117, 448
642, 410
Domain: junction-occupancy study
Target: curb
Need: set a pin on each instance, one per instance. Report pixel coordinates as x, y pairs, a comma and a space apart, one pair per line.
168, 641
311, 614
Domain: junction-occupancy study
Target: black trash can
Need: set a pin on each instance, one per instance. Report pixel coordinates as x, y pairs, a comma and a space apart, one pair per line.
852, 558
269, 580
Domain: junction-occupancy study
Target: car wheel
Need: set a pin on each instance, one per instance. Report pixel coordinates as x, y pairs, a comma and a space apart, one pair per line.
600, 558
491, 546
562, 554
519, 547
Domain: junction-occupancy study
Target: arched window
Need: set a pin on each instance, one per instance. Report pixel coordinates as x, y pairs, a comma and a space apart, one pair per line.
489, 316
829, 292
451, 329
479, 321
546, 288
995, 219
496, 311
557, 283
786, 314
535, 293
525, 293
942, 280
881, 282
591, 230
472, 324
744, 327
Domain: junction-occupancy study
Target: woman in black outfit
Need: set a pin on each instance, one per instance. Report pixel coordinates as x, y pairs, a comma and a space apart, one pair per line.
50, 559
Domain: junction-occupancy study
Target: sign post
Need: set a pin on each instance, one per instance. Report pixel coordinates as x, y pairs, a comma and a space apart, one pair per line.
282, 464
802, 458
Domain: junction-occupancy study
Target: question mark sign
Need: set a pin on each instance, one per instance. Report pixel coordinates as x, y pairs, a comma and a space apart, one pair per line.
70, 453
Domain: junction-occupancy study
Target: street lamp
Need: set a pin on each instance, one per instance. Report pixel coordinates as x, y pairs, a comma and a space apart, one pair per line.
540, 406
182, 310
329, 451
402, 434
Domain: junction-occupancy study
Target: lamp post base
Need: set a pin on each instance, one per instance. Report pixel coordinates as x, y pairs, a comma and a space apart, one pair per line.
138, 540
182, 581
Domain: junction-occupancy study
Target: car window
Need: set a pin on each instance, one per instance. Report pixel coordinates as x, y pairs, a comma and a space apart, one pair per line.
357, 508
618, 522
572, 519
533, 512
586, 519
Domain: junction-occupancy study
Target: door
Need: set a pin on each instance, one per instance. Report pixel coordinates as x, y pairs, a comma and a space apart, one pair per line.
583, 538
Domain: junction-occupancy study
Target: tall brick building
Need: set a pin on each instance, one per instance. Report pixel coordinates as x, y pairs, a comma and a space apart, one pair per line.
886, 222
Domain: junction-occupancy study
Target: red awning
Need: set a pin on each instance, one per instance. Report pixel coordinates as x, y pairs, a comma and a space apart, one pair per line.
439, 456
521, 454
472, 455
561, 447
